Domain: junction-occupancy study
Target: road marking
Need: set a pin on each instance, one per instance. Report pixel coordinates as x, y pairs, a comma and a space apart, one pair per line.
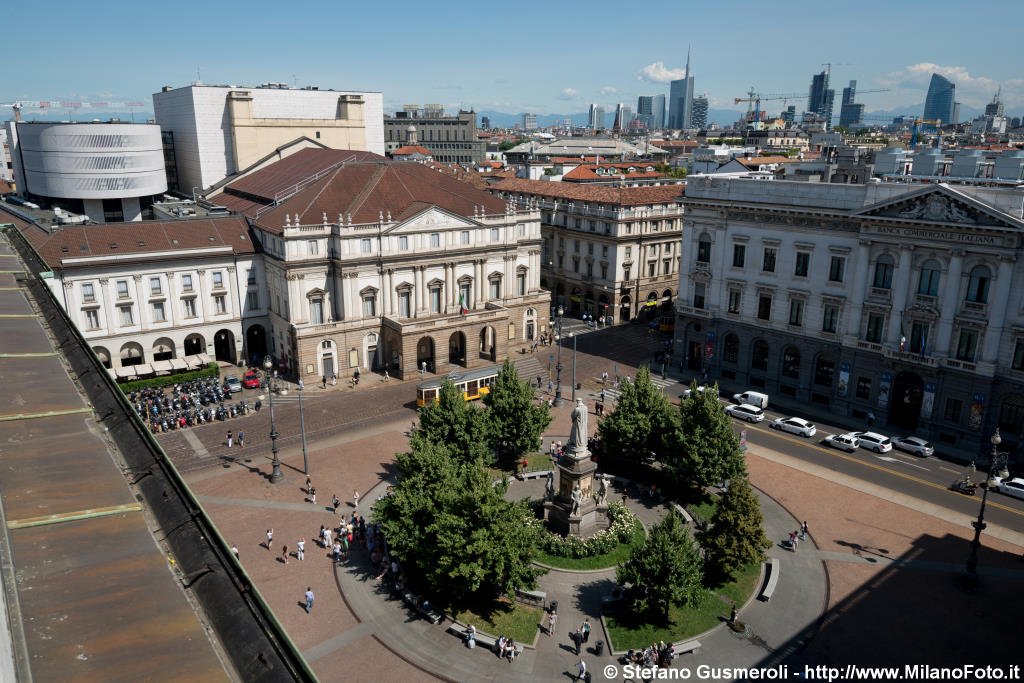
889, 459
949, 470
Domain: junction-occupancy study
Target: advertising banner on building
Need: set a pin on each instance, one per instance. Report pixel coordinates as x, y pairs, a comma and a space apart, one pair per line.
976, 417
844, 378
927, 400
883, 390
709, 346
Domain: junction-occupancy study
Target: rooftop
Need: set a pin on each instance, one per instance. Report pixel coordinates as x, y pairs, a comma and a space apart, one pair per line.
625, 196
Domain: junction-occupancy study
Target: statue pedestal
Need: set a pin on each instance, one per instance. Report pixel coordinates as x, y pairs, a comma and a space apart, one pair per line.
576, 468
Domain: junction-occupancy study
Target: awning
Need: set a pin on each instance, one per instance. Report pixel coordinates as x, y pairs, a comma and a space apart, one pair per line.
161, 366
178, 364
193, 361
204, 359
144, 369
125, 372
112, 372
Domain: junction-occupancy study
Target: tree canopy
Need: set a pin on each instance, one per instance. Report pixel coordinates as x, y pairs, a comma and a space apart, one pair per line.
706, 449
736, 535
664, 571
455, 424
514, 421
642, 423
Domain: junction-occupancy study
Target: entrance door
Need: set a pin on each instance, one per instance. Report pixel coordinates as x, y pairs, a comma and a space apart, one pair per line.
328, 366
694, 355
905, 401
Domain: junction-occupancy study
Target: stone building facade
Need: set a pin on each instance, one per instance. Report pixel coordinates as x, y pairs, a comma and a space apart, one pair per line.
891, 298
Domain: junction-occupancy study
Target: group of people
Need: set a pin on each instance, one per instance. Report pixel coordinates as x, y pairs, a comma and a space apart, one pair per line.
505, 647
796, 536
656, 654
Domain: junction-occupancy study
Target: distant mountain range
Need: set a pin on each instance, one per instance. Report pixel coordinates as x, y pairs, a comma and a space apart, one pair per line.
723, 117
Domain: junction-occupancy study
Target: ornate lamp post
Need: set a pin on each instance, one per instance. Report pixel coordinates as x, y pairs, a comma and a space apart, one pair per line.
558, 366
275, 476
302, 423
997, 459
573, 337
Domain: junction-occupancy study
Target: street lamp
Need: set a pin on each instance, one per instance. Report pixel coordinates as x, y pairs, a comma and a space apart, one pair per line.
302, 423
558, 365
275, 476
573, 337
995, 460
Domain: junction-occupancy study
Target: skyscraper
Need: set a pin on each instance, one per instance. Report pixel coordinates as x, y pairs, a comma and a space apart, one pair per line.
598, 118
658, 111
939, 103
995, 107
645, 110
850, 113
592, 117
623, 115
699, 117
821, 99
680, 106
529, 122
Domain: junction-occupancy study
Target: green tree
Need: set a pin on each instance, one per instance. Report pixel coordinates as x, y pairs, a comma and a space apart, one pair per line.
706, 448
456, 424
506, 145
642, 423
664, 571
514, 420
451, 527
736, 535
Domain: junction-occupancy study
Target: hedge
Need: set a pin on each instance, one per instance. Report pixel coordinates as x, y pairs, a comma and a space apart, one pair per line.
620, 531
210, 370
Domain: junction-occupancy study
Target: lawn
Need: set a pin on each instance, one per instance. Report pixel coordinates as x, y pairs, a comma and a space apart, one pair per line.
510, 466
626, 631
705, 509
620, 554
503, 618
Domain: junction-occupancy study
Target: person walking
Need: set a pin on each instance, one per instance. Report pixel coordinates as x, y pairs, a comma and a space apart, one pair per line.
586, 629
309, 482
355, 499
871, 418
581, 667
324, 380
335, 502
241, 439
803, 531
577, 640
552, 622
309, 599
386, 375
270, 538
300, 549
337, 552
229, 439
796, 541
284, 554
312, 495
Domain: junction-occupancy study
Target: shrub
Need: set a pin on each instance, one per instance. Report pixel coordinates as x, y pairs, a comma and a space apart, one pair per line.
210, 370
619, 531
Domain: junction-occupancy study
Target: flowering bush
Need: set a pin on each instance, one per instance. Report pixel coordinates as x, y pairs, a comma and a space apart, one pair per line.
619, 531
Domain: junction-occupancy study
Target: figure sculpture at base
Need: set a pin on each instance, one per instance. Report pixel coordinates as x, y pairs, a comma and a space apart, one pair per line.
549, 487
602, 491
577, 499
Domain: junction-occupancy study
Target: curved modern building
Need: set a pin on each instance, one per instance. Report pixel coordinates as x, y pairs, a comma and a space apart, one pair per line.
108, 171
939, 104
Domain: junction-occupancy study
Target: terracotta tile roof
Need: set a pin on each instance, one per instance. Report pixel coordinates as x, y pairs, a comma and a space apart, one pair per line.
281, 175
139, 238
412, 149
583, 173
366, 190
621, 196
757, 161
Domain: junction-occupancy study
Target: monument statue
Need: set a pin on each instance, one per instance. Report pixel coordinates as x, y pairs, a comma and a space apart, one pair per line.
602, 491
549, 487
578, 435
577, 499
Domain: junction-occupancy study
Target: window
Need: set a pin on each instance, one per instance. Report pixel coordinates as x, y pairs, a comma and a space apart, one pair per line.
791, 363
929, 282
836, 268
667, 266
464, 291
651, 269
629, 253
625, 273
604, 271
883, 274
126, 315
122, 289
759, 356
252, 301
88, 293
495, 234
369, 306
521, 281
803, 264
1018, 355
954, 407
977, 285
668, 248
435, 299
158, 312
604, 251
154, 286
764, 307
731, 348
824, 372
918, 337
189, 305
576, 246
314, 247
735, 299
590, 248
250, 276
966, 345
830, 319
796, 312
768, 265
316, 311
590, 270
365, 245
576, 265
92, 319
874, 332
220, 303
739, 255
1011, 415
218, 279
465, 236
864, 388
699, 289
405, 303
495, 289
561, 243
704, 251
186, 283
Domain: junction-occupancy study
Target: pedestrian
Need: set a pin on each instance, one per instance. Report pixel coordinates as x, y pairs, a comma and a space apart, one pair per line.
586, 629
551, 386
284, 554
871, 418
320, 537
312, 495
582, 667
327, 538
796, 540
337, 552
324, 380
241, 439
309, 482
234, 549
229, 439
300, 549
334, 379
604, 380
335, 502
309, 599
355, 499
577, 639
552, 622
803, 531
301, 385
551, 403
539, 379
732, 615
602, 390
270, 538
386, 375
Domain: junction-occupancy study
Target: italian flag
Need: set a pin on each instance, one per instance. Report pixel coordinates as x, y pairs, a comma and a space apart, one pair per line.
462, 306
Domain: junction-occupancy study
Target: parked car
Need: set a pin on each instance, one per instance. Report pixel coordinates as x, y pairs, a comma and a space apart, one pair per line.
233, 384
754, 398
251, 380
874, 441
794, 425
913, 444
843, 442
1012, 487
700, 390
745, 412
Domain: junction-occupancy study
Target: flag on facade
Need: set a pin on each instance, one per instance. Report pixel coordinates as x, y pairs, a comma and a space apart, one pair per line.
462, 305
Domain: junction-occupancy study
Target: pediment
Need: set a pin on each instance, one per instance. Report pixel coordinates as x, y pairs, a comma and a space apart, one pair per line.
940, 204
432, 218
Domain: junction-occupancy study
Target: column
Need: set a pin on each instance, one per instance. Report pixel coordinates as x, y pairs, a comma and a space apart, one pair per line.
143, 321
997, 303
108, 311
201, 306
716, 300
860, 281
900, 287
449, 286
949, 303
390, 294
418, 284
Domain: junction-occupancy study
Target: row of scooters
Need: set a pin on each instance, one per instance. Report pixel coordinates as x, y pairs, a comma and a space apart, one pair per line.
186, 404
189, 417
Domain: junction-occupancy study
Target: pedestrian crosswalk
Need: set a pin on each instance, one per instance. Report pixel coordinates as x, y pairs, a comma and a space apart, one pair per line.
612, 391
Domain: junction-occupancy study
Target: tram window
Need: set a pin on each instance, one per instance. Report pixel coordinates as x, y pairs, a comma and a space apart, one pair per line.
471, 387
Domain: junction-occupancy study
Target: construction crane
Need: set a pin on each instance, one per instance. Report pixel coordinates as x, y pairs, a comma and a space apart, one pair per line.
756, 98
913, 132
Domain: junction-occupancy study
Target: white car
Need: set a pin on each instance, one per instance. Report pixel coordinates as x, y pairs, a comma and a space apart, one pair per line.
1012, 487
745, 412
843, 442
913, 444
700, 390
794, 425
873, 441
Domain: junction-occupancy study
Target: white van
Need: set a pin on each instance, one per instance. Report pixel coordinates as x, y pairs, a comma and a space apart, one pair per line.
754, 398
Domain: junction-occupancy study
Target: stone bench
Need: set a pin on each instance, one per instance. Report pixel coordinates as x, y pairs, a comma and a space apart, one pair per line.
773, 580
483, 640
536, 474
685, 646
682, 513
532, 598
428, 614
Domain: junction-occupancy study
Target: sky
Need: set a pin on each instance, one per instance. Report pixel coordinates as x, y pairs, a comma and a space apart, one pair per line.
542, 57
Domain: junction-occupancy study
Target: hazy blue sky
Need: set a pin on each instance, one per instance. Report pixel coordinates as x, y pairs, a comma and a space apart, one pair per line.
546, 57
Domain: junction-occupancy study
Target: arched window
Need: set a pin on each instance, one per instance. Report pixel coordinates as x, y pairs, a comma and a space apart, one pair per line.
883, 272
824, 372
1011, 415
928, 284
791, 362
977, 285
759, 356
731, 349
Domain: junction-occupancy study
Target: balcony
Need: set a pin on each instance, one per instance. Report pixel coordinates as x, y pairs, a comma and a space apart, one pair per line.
927, 300
961, 365
910, 357
880, 293
690, 310
974, 308
865, 345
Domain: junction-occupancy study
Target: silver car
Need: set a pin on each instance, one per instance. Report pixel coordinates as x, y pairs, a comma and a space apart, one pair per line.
873, 441
1012, 487
843, 442
794, 425
913, 444
234, 385
746, 412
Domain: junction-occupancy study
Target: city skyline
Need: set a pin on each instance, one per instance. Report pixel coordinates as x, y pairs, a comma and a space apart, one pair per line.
135, 66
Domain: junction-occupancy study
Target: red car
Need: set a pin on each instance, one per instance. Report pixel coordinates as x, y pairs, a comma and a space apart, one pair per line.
251, 380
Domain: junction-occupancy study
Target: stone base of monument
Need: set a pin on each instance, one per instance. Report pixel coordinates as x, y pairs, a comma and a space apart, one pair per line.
590, 519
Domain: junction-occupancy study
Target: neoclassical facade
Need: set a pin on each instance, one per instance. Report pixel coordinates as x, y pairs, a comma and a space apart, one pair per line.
892, 298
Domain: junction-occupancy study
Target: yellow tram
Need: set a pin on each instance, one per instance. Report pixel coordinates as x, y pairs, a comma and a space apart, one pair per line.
472, 383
